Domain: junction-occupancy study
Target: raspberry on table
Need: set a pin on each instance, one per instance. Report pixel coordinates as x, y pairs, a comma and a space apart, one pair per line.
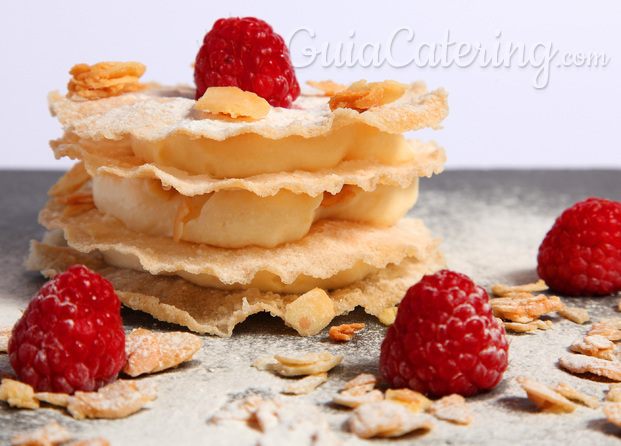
71, 335
445, 339
248, 54
581, 254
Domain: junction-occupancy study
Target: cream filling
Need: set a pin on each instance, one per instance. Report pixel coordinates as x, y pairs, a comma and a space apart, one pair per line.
238, 218
263, 280
251, 154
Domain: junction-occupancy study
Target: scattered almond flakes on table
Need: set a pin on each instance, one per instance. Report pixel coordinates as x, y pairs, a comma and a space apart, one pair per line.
415, 401
612, 411
5, 334
595, 345
308, 364
116, 400
525, 309
49, 435
149, 352
505, 290
306, 385
345, 332
575, 395
18, 394
614, 393
544, 397
387, 419
575, 314
579, 364
525, 327
280, 422
605, 329
356, 397
452, 408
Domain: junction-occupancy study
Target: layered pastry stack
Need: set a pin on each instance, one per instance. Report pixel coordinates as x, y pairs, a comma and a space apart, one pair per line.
203, 219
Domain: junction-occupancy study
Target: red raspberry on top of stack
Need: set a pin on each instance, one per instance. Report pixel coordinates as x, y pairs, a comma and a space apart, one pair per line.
71, 335
445, 339
581, 254
248, 54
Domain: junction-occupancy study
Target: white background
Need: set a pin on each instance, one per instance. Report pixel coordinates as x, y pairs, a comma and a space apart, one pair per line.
498, 119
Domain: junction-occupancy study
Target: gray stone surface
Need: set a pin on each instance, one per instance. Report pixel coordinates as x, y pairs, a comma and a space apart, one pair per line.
491, 223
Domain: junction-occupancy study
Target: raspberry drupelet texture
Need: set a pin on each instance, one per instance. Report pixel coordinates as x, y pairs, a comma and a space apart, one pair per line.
248, 54
445, 339
581, 254
71, 335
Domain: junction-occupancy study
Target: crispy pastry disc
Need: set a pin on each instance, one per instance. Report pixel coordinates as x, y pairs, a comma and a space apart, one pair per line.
330, 246
118, 160
212, 311
159, 112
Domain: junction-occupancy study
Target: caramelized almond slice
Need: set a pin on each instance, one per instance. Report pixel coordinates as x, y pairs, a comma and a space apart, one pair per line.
234, 102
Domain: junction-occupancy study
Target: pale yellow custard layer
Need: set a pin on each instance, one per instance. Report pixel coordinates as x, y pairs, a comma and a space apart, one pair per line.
238, 218
250, 154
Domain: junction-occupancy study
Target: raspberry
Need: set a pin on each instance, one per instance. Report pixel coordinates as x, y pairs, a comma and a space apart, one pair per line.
581, 254
445, 339
248, 54
71, 335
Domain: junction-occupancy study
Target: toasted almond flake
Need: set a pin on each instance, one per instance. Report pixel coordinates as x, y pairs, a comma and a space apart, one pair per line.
149, 352
386, 419
595, 345
328, 87
309, 369
306, 385
589, 364
413, 400
366, 380
575, 395
614, 321
612, 411
605, 329
575, 314
357, 396
614, 393
117, 400
280, 422
452, 408
18, 394
237, 410
265, 363
388, 315
544, 397
359, 100
345, 332
104, 79
5, 334
305, 359
542, 325
525, 309
507, 291
97, 441
233, 101
53, 398
49, 435
519, 327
